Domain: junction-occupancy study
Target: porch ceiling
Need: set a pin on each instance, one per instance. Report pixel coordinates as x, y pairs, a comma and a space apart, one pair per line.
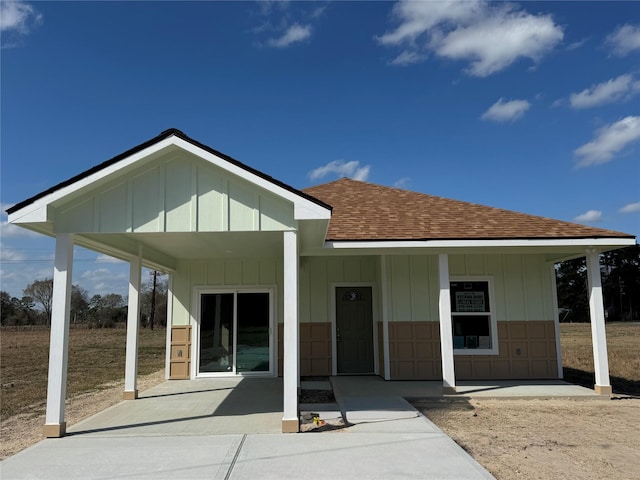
163, 250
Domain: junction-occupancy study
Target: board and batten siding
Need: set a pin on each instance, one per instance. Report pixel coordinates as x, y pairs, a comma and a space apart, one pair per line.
523, 309
181, 193
521, 283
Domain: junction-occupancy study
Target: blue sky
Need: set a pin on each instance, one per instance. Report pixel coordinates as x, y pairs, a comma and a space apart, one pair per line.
529, 106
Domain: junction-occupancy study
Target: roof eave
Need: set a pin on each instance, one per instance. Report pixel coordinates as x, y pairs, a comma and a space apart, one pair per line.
618, 241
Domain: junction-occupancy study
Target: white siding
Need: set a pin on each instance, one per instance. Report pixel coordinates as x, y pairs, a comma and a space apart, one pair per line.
179, 194
413, 288
318, 273
522, 285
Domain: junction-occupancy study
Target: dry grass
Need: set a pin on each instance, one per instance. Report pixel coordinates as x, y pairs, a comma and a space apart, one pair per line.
557, 438
623, 345
96, 360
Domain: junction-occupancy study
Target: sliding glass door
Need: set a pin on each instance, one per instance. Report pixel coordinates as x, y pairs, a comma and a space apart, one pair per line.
252, 340
235, 332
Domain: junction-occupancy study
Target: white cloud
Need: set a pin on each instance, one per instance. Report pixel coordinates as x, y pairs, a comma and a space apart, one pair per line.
17, 19
624, 40
616, 89
408, 58
102, 281
490, 37
630, 208
294, 34
503, 111
10, 254
404, 182
102, 258
590, 216
18, 16
350, 169
608, 141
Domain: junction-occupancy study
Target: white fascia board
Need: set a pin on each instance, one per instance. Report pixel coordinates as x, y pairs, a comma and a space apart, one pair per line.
303, 209
574, 242
38, 210
34, 213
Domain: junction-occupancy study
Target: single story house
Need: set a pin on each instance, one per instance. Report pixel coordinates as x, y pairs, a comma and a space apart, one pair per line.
346, 277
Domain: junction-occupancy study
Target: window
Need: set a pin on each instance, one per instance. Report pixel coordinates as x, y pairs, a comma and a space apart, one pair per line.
472, 317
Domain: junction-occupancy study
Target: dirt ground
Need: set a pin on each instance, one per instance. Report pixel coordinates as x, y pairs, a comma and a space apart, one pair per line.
22, 430
546, 439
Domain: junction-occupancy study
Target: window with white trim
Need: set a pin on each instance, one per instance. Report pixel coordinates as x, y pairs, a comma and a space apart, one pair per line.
472, 317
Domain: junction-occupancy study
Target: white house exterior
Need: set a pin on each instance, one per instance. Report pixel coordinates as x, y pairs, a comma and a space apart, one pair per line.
343, 278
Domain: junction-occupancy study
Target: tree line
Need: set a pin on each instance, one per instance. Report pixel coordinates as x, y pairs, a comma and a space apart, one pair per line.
97, 311
620, 272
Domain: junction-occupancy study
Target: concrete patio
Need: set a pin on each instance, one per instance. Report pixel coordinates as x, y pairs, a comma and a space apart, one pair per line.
229, 428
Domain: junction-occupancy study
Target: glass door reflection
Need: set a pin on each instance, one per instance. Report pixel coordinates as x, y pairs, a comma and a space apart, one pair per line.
216, 332
252, 347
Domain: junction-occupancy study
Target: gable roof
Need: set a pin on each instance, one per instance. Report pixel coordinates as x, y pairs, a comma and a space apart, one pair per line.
367, 212
164, 135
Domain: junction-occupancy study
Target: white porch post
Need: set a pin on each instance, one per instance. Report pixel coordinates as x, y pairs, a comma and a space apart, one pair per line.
133, 326
385, 317
55, 426
167, 362
598, 333
446, 335
290, 419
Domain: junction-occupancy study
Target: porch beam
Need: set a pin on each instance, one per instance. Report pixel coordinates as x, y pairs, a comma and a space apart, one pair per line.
446, 332
598, 332
133, 327
290, 419
55, 425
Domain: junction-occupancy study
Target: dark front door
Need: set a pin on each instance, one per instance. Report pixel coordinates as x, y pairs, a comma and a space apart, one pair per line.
354, 330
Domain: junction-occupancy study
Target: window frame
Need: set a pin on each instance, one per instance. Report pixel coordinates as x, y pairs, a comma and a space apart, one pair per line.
493, 323
195, 321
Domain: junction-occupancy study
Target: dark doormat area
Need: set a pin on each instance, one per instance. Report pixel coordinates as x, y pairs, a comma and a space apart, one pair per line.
317, 396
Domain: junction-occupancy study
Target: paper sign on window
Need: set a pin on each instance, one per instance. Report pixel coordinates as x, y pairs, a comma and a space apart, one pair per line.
470, 302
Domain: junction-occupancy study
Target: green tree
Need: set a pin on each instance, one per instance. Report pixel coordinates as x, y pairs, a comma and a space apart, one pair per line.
79, 304
42, 292
571, 280
621, 283
107, 310
153, 301
7, 309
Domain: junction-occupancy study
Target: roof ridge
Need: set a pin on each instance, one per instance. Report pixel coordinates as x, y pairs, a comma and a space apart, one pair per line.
162, 136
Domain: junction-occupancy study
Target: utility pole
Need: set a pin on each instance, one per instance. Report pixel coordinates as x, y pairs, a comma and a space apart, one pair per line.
152, 315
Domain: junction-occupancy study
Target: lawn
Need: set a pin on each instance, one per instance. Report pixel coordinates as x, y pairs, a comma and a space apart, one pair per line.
623, 345
96, 359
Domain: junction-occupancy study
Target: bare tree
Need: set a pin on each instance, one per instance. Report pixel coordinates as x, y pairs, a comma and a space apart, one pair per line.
42, 292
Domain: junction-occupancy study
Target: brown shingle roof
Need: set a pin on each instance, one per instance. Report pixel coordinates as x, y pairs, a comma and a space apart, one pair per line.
365, 211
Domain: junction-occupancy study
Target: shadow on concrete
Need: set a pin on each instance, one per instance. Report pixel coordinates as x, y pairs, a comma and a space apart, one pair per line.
251, 396
477, 386
587, 379
186, 392
246, 405
136, 425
